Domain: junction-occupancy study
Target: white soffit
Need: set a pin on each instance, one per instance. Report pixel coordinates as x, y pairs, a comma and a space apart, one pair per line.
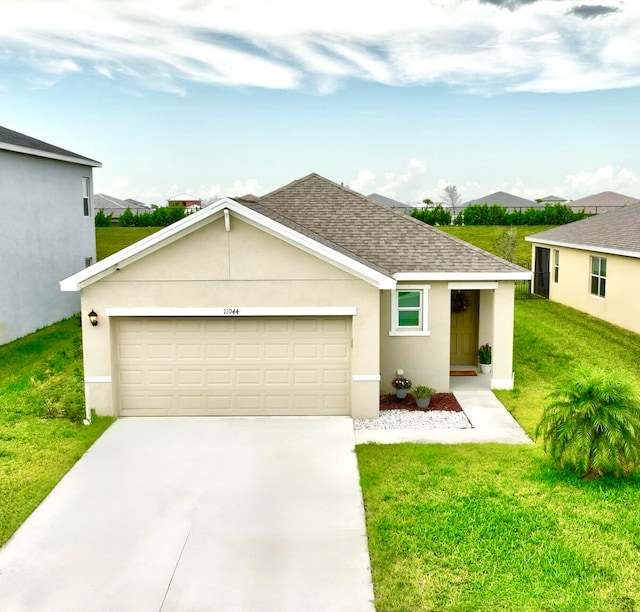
584, 247
82, 161
462, 276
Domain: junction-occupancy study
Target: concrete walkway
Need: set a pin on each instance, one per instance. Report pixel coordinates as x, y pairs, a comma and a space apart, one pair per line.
199, 514
490, 420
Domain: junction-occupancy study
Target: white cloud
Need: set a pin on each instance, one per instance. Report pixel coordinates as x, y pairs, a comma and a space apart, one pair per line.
605, 178
473, 46
362, 181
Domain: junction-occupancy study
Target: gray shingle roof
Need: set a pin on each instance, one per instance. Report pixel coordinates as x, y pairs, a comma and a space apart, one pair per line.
376, 197
116, 206
602, 201
17, 139
618, 230
508, 200
552, 199
387, 240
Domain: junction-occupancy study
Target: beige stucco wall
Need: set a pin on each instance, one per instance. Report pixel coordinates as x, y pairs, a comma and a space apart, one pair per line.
425, 359
245, 267
620, 304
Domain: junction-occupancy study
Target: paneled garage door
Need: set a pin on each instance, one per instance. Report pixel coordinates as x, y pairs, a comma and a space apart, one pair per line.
233, 366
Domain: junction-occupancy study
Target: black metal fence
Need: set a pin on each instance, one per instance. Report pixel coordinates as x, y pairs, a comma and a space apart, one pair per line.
523, 287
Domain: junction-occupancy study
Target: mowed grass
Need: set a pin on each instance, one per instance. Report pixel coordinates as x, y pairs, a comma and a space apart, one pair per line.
485, 237
39, 376
110, 240
492, 527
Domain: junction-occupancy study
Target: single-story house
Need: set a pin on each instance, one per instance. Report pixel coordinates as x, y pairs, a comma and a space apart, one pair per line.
593, 265
502, 198
47, 230
307, 301
189, 202
111, 205
551, 199
602, 202
390, 202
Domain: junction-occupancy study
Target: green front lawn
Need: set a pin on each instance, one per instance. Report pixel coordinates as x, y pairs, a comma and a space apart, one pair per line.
491, 527
41, 411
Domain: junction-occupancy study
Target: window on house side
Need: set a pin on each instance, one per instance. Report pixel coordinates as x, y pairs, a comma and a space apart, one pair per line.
408, 311
556, 265
85, 196
598, 276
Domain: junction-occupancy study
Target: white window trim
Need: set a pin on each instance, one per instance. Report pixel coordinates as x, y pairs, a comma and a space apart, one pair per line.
86, 195
556, 266
424, 313
597, 296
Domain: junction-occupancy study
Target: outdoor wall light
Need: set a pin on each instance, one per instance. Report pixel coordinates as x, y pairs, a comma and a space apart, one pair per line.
93, 317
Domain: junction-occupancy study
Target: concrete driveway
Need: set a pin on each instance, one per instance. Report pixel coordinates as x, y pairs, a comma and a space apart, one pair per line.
191, 514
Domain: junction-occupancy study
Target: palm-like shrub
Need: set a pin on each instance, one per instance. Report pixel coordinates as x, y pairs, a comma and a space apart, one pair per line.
592, 425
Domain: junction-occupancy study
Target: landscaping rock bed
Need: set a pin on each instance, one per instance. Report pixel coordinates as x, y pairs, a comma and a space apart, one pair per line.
444, 412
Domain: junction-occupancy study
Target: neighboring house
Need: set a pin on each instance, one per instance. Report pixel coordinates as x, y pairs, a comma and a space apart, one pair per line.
552, 199
304, 301
603, 202
47, 230
115, 206
593, 265
390, 202
190, 203
502, 198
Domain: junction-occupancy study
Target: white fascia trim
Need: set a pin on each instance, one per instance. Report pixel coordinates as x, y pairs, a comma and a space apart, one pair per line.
183, 227
97, 379
132, 253
586, 247
366, 378
379, 280
458, 285
235, 311
83, 161
410, 333
462, 276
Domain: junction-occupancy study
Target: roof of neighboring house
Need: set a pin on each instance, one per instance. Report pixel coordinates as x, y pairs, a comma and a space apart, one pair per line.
183, 197
21, 143
133, 202
617, 232
375, 242
111, 204
376, 197
508, 200
603, 199
553, 199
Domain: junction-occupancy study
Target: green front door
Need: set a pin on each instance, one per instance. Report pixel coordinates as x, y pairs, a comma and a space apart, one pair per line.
464, 327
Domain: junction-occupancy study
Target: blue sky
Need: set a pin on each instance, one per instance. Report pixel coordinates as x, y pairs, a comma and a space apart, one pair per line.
223, 97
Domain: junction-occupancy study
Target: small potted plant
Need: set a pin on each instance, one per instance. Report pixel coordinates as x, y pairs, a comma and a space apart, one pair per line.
484, 357
423, 395
402, 385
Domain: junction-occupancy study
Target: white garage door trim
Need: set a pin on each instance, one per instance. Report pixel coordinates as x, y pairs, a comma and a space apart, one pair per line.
235, 311
179, 366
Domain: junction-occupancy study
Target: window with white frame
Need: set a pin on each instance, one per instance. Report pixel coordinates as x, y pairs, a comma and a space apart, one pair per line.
409, 311
85, 196
556, 265
598, 276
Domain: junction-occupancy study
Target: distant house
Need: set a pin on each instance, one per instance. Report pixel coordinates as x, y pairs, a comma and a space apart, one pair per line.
189, 202
603, 202
502, 198
552, 199
115, 206
390, 202
593, 265
47, 230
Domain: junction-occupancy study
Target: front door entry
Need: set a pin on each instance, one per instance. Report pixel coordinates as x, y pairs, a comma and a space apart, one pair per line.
464, 327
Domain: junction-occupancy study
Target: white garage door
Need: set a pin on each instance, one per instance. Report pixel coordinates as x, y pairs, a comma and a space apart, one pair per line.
234, 366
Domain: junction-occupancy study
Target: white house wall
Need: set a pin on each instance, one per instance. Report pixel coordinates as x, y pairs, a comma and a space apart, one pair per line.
620, 304
45, 238
243, 268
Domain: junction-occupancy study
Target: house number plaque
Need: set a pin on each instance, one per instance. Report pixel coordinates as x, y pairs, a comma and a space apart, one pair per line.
231, 311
